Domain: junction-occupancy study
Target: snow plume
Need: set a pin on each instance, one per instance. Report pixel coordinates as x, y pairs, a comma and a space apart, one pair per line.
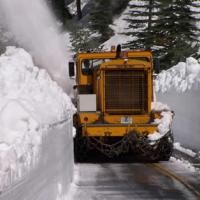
35, 28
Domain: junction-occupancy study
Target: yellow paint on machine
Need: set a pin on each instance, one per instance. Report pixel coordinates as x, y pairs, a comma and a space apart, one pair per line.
116, 130
93, 117
131, 68
114, 92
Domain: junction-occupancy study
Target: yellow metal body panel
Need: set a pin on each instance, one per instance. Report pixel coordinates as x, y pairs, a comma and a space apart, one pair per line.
94, 117
84, 80
137, 119
126, 64
102, 123
99, 55
112, 125
116, 130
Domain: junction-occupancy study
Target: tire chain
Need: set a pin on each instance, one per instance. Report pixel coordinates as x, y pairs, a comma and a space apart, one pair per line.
136, 143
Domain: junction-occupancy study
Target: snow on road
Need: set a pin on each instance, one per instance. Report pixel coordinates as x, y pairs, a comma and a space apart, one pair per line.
29, 102
186, 151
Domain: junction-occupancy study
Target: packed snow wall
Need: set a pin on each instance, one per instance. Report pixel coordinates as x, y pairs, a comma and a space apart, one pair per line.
36, 151
179, 87
186, 124
51, 177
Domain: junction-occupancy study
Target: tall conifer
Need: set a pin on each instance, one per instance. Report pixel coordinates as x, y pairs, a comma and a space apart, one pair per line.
101, 18
142, 18
176, 32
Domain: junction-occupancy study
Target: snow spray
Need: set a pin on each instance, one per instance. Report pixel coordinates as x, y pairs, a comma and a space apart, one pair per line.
35, 28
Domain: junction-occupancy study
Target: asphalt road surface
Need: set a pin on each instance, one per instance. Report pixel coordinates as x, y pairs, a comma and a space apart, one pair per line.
111, 181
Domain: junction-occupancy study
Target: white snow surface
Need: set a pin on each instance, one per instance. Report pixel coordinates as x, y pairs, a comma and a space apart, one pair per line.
159, 106
29, 103
119, 26
179, 87
72, 6
184, 164
164, 123
182, 77
189, 152
73, 186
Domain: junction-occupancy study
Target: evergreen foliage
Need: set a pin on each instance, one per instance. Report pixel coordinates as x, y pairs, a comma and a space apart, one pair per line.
100, 19
166, 27
82, 40
118, 6
176, 32
142, 19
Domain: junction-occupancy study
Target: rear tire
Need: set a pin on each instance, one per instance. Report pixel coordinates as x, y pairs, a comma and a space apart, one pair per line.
166, 147
160, 151
80, 148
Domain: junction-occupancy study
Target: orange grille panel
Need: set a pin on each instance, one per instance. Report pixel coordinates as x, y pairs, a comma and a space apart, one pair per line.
126, 91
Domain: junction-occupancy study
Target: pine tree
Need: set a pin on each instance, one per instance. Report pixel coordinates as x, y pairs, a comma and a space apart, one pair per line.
81, 39
176, 32
142, 19
118, 6
101, 18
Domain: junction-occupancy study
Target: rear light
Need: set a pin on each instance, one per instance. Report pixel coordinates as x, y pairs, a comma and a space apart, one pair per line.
85, 119
126, 61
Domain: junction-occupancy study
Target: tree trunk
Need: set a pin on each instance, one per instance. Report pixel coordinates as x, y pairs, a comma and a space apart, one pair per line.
151, 2
78, 6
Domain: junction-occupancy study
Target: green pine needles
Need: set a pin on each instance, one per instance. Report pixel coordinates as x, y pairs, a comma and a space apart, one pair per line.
168, 28
101, 18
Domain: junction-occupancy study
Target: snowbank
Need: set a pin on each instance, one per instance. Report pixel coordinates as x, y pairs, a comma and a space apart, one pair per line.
30, 102
179, 87
50, 179
186, 123
189, 152
182, 77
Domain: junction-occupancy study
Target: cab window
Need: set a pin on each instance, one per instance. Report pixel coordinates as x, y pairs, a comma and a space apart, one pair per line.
87, 67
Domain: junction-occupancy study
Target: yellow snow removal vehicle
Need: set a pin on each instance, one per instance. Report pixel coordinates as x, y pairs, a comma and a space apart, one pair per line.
114, 95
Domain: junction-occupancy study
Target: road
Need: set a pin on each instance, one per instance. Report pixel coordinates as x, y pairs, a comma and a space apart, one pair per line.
111, 181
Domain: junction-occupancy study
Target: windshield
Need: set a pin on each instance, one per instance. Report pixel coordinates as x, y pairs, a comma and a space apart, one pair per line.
88, 65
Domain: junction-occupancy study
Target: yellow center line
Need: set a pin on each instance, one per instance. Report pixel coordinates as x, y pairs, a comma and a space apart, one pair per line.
171, 175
